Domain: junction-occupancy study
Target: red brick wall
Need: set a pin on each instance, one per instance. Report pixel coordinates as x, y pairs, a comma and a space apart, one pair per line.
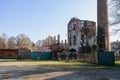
103, 21
8, 53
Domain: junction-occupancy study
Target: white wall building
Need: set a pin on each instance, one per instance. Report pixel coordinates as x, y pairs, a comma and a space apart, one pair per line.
80, 32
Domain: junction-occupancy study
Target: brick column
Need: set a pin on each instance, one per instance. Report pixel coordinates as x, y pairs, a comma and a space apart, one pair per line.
103, 24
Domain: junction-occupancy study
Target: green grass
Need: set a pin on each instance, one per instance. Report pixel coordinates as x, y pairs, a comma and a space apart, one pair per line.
71, 64
117, 63
55, 64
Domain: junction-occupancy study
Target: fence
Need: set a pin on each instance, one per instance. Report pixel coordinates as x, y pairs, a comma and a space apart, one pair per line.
92, 58
104, 58
41, 55
117, 58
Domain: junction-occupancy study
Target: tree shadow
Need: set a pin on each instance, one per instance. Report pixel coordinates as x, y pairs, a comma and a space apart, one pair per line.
77, 73
21, 72
90, 74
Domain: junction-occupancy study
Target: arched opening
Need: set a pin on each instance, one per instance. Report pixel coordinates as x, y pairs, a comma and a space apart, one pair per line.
73, 54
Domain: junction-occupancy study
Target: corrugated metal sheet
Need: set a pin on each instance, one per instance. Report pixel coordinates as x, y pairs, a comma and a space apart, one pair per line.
41, 55
46, 55
34, 55
106, 58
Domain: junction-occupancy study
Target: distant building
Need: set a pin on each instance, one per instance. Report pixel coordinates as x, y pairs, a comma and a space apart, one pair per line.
8, 53
24, 53
15, 53
48, 42
79, 33
115, 46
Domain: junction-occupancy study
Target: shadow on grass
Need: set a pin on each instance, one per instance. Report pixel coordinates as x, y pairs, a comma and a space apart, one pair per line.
17, 73
77, 66
89, 74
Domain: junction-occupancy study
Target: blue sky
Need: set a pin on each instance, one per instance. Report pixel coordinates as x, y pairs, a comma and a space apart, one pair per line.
40, 18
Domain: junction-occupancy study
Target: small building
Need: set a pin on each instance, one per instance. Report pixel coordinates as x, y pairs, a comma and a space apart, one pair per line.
15, 53
8, 53
24, 53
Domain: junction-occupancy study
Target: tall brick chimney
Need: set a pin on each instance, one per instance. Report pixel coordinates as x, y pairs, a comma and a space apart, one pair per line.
103, 37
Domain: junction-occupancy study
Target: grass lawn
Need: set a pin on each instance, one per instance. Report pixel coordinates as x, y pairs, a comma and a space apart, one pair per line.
61, 64
53, 64
117, 63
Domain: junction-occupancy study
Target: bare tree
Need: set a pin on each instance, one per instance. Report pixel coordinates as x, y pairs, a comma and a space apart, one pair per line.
23, 41
5, 39
12, 43
2, 43
4, 36
39, 43
115, 11
114, 7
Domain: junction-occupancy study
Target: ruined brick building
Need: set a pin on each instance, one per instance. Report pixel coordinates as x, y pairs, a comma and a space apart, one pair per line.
81, 32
